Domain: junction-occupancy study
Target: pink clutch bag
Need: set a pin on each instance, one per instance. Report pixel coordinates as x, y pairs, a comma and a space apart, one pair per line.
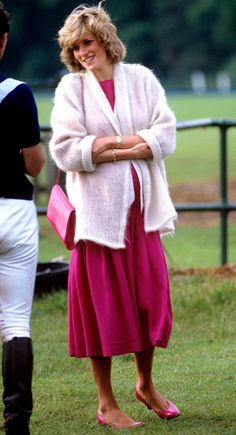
61, 215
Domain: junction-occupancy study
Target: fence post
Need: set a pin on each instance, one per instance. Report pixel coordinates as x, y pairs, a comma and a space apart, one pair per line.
223, 195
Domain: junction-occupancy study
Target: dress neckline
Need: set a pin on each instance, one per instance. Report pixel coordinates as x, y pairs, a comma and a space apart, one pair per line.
108, 88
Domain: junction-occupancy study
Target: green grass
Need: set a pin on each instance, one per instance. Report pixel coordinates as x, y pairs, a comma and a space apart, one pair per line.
185, 106
197, 156
197, 247
189, 247
50, 246
190, 106
197, 153
44, 104
197, 371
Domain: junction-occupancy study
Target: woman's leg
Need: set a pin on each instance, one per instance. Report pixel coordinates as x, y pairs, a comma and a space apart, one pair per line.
144, 384
102, 376
107, 404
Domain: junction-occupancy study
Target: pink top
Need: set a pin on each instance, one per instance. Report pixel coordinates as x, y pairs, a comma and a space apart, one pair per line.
108, 88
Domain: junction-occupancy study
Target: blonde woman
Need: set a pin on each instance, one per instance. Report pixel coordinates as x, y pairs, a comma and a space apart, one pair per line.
112, 129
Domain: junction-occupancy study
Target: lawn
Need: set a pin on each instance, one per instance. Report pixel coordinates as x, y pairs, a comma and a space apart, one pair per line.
197, 371
185, 106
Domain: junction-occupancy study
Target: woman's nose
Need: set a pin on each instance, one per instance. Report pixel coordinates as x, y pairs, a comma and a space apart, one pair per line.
83, 51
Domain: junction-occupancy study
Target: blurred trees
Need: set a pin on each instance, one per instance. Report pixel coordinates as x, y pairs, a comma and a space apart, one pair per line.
173, 37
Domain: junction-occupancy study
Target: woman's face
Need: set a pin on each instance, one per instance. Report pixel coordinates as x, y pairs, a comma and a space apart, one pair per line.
92, 56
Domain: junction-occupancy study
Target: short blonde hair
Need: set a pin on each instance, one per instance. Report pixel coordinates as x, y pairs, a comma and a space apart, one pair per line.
94, 20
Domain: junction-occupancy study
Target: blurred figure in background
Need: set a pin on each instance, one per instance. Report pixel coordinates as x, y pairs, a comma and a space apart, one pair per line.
112, 129
21, 154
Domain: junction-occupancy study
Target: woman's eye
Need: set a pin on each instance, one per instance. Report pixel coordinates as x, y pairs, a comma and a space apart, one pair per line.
86, 42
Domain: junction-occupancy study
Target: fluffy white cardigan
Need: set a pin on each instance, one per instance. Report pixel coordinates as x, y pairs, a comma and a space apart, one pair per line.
101, 193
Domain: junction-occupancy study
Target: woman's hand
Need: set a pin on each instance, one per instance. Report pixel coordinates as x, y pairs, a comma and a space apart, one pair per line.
141, 151
102, 144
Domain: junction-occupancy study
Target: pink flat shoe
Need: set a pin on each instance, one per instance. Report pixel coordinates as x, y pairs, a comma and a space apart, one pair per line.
171, 412
102, 422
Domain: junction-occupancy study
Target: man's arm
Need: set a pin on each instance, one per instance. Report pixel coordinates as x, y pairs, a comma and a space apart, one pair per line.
34, 159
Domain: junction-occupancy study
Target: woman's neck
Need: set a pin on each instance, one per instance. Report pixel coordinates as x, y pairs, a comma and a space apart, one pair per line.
105, 74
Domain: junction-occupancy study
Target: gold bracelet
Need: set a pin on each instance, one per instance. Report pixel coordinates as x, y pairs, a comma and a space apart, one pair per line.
118, 141
114, 160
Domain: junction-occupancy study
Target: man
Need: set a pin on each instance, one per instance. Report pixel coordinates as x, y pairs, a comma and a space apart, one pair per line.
21, 154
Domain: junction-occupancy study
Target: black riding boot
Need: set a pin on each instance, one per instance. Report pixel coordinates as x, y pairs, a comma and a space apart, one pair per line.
17, 368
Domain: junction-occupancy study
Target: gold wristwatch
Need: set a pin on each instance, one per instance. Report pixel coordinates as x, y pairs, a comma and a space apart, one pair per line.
118, 141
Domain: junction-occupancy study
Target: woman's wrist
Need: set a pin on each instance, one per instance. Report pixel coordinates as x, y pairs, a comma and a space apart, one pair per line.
114, 156
125, 142
118, 142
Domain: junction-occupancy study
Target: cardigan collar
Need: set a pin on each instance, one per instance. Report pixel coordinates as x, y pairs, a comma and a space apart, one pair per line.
121, 116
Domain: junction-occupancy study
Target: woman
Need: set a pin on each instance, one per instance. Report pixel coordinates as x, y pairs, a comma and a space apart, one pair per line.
112, 129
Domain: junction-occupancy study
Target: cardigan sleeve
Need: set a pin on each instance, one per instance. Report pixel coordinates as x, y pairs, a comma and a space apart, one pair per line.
161, 134
70, 146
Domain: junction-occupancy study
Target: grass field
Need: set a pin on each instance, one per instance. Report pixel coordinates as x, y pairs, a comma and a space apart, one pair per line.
198, 370
185, 106
193, 172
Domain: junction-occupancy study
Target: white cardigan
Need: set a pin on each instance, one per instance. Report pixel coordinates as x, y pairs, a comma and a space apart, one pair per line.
101, 192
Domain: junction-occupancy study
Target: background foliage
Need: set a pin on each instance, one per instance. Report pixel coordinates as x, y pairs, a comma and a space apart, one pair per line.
173, 37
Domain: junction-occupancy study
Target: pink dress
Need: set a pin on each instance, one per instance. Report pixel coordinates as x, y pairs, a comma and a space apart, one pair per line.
119, 299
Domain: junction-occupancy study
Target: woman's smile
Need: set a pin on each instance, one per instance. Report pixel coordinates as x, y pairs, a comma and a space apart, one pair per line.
88, 59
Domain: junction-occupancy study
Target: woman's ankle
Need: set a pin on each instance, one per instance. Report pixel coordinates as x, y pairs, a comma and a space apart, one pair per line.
144, 387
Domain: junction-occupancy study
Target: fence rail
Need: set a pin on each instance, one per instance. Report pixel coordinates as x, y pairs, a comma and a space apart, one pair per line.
223, 207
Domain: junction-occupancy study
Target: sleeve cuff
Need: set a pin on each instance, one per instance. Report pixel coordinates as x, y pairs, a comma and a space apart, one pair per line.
150, 139
88, 165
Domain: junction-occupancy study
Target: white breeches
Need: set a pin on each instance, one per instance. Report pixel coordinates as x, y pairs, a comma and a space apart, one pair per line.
18, 262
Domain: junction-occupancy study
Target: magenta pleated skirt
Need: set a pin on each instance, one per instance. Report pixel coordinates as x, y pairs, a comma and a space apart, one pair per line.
119, 299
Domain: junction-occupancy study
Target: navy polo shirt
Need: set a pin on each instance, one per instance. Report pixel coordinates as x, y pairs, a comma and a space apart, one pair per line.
19, 128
